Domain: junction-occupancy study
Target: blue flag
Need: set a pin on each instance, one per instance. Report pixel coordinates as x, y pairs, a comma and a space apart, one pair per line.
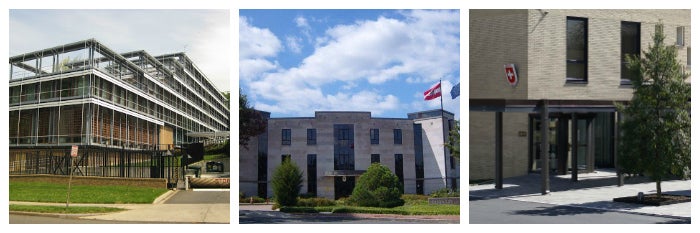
455, 91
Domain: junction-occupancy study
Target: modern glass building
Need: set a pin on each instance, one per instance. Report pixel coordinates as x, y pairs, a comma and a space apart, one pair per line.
88, 95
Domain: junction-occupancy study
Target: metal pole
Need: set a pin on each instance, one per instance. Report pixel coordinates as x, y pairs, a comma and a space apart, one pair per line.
499, 151
574, 148
544, 116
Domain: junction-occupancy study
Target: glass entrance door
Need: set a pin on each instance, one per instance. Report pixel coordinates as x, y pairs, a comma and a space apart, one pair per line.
536, 151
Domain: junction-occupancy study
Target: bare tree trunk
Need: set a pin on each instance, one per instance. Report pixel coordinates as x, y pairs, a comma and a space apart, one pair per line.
658, 188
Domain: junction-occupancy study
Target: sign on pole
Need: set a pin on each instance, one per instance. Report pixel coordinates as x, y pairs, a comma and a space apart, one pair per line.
74, 151
511, 74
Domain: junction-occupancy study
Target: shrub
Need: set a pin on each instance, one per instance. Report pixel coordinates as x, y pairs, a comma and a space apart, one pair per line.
256, 199
378, 187
286, 183
315, 201
445, 192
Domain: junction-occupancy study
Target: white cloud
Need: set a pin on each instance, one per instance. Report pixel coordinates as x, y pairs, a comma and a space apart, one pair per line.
255, 45
294, 44
302, 22
422, 49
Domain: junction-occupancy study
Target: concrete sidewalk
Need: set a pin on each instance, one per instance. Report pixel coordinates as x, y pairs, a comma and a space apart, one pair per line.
156, 212
593, 190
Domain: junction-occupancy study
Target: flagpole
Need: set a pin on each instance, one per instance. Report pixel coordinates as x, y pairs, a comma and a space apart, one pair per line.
444, 140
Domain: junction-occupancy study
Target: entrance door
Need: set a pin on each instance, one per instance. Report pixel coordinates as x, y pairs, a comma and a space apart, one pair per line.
561, 133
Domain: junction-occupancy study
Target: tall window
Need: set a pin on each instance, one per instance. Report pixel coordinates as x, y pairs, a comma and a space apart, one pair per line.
374, 136
680, 34
375, 158
311, 172
630, 44
310, 136
576, 49
398, 167
286, 137
397, 136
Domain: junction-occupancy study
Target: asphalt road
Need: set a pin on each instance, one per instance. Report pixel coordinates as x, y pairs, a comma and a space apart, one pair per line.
275, 217
500, 211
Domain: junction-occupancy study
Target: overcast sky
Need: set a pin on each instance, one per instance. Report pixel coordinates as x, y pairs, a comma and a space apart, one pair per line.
203, 34
295, 62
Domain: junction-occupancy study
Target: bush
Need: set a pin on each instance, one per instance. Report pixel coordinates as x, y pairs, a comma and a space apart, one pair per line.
256, 199
378, 187
314, 202
445, 192
286, 183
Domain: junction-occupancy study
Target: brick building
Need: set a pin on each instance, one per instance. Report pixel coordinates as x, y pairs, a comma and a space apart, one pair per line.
569, 63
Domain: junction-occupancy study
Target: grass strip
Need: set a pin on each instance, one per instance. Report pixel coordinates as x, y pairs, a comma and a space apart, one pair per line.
63, 210
56, 192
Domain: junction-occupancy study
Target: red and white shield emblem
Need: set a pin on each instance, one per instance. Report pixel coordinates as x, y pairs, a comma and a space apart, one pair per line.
511, 75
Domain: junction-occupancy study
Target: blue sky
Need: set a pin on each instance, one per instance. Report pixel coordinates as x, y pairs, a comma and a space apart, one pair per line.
295, 62
204, 35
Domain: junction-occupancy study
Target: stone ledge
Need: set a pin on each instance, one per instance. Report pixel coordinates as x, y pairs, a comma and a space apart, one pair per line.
444, 201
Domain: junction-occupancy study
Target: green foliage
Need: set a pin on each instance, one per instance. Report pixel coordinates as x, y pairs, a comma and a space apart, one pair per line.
286, 183
256, 199
315, 201
445, 192
56, 192
453, 141
220, 149
655, 137
417, 209
251, 122
377, 187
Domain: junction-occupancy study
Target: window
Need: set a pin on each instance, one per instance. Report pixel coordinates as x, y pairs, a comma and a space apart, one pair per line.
286, 158
630, 44
452, 162
397, 136
576, 49
374, 136
310, 136
680, 34
286, 137
311, 173
375, 158
398, 167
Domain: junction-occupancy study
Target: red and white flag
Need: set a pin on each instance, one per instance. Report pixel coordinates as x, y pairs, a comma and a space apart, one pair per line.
434, 92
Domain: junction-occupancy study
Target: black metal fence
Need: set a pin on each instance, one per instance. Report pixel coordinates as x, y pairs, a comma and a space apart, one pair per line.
162, 161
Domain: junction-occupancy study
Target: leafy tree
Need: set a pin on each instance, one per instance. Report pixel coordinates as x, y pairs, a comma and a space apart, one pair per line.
286, 183
227, 95
378, 187
251, 122
655, 136
453, 141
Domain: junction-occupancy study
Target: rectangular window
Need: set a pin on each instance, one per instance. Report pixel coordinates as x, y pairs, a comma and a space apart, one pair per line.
452, 162
398, 167
374, 136
286, 137
310, 136
311, 173
375, 158
576, 49
286, 158
680, 34
630, 44
397, 136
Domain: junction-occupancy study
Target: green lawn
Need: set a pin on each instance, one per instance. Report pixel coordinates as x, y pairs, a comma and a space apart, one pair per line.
56, 192
63, 210
415, 205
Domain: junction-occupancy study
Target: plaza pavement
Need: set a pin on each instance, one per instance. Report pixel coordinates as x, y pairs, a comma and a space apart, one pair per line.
593, 190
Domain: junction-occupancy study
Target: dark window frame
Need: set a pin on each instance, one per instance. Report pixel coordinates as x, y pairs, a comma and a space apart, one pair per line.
311, 171
311, 136
571, 61
636, 47
286, 136
375, 158
398, 138
374, 136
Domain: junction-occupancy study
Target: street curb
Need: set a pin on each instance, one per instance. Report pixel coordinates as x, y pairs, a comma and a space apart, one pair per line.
167, 195
55, 215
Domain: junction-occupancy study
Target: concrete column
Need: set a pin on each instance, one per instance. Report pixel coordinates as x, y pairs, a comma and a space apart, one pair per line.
499, 151
544, 119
